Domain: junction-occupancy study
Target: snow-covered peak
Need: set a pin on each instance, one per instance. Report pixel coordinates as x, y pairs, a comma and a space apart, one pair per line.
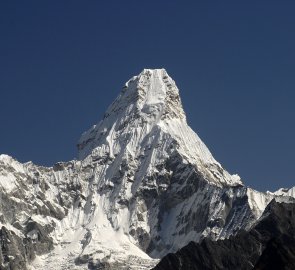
145, 100
156, 94
148, 114
5, 158
145, 185
285, 192
152, 93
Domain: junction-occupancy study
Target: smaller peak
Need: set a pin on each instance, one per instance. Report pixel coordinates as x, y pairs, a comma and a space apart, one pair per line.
8, 160
4, 157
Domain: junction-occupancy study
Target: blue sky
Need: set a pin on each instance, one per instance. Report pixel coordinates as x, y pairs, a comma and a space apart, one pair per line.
63, 62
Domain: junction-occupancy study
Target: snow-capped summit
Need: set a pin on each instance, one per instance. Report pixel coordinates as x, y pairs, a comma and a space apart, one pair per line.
149, 107
153, 93
144, 185
146, 99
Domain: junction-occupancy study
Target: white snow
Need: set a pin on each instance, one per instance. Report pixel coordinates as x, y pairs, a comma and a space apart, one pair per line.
100, 198
286, 192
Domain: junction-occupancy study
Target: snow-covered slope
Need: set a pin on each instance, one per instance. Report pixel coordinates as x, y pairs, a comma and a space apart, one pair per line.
286, 192
148, 115
144, 185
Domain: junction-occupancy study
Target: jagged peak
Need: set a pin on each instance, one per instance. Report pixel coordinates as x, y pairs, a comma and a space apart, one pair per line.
153, 93
150, 97
4, 157
148, 107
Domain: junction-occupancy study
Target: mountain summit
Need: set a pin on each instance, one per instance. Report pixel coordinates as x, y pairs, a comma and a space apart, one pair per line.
147, 112
144, 185
146, 99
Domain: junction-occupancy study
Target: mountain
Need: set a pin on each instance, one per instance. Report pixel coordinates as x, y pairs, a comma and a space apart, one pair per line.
270, 244
144, 185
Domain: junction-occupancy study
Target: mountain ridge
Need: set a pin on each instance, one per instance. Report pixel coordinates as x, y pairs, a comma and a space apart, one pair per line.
269, 244
144, 185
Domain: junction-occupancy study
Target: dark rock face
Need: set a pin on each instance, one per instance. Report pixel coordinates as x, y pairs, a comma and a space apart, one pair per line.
270, 244
16, 252
11, 251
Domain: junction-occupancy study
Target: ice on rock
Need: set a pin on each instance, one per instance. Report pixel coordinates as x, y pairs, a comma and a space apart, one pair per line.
144, 185
285, 192
149, 106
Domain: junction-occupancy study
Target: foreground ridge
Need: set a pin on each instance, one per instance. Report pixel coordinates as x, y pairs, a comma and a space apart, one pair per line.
269, 244
144, 185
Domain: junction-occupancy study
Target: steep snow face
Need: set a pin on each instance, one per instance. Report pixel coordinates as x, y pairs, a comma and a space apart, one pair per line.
147, 112
144, 185
145, 99
55, 217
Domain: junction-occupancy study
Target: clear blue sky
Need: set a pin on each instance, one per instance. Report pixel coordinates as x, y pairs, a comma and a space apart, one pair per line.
63, 62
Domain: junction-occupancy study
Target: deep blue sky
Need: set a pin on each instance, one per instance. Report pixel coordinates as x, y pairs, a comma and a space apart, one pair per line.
63, 62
